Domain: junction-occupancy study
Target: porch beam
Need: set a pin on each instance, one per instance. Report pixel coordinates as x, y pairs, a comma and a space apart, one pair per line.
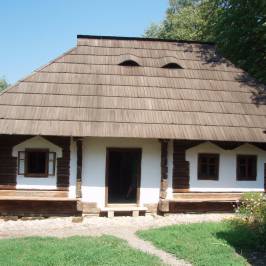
228, 145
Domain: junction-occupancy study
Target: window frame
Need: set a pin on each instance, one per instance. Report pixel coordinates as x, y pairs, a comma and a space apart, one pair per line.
217, 166
26, 173
53, 162
21, 161
246, 177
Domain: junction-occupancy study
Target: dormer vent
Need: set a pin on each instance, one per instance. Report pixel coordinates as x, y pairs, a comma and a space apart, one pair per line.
172, 66
129, 63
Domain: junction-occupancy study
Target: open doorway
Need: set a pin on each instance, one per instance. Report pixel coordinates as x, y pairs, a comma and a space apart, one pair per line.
123, 175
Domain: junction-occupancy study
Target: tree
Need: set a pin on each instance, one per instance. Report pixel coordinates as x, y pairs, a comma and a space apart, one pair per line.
184, 21
238, 27
3, 84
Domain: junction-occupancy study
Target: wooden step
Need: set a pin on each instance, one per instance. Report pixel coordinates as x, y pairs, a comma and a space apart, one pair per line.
111, 209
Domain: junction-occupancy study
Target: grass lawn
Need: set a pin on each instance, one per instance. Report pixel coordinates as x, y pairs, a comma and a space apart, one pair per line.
105, 250
209, 244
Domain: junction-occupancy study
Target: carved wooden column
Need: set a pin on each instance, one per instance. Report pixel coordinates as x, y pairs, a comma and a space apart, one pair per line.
265, 177
163, 203
79, 167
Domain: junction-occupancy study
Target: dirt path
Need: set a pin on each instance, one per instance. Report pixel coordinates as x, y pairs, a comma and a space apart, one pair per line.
122, 227
147, 247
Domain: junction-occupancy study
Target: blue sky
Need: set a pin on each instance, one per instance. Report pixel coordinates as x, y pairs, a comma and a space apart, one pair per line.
36, 31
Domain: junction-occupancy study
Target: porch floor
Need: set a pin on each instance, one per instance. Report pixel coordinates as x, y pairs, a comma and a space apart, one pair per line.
29, 194
206, 196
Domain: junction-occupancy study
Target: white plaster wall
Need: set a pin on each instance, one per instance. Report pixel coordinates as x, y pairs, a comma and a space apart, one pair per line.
73, 169
45, 183
227, 169
94, 162
49, 182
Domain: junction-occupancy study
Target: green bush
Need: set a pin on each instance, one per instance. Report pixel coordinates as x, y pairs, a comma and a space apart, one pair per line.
252, 211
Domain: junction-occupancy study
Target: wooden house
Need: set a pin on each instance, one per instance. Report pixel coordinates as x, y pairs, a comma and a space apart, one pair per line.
137, 125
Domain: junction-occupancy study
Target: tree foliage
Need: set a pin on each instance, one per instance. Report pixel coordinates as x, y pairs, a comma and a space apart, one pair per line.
3, 84
183, 21
238, 27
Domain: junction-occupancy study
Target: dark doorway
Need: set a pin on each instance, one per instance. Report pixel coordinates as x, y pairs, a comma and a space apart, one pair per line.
123, 175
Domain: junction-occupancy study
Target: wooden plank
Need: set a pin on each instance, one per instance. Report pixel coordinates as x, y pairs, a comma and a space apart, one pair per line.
34, 193
38, 207
201, 207
205, 196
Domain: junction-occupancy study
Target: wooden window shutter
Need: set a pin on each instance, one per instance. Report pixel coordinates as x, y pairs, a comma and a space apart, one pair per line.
51, 163
21, 162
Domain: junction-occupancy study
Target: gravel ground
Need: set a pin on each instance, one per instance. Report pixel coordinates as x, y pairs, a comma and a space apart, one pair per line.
122, 227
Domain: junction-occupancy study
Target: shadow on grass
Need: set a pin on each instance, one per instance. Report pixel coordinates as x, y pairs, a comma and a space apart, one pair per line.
246, 241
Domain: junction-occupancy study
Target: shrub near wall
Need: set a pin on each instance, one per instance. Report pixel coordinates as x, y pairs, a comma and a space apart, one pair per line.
252, 211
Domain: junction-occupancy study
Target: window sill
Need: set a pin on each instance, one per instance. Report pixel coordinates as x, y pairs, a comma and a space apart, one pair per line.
246, 179
35, 176
208, 178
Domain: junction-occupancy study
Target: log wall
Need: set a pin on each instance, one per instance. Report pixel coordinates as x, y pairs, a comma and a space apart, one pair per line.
8, 164
180, 165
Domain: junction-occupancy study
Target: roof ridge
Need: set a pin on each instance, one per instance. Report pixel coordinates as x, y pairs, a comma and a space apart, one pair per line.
106, 37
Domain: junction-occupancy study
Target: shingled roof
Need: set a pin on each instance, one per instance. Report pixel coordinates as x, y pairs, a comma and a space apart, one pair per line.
86, 92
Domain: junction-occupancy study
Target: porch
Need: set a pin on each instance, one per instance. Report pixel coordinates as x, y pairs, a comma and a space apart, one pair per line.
90, 174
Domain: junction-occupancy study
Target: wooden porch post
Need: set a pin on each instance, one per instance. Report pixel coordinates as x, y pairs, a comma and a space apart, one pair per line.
79, 167
163, 203
265, 177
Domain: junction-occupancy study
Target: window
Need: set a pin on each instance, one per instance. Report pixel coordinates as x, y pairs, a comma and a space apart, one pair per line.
246, 167
172, 66
208, 166
129, 63
36, 163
